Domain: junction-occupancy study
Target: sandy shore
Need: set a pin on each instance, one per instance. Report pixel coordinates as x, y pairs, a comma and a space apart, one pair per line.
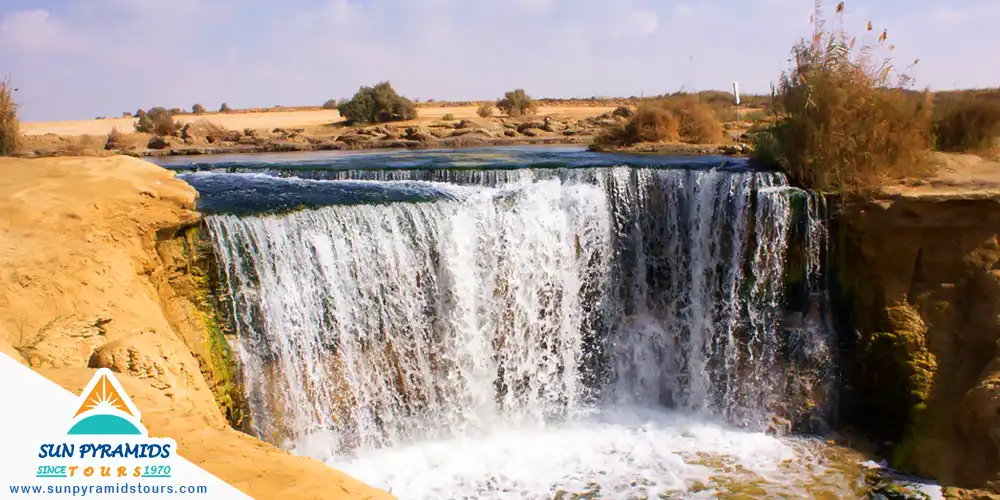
284, 119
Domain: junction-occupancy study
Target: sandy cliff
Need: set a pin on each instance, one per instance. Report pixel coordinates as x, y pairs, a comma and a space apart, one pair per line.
918, 276
96, 262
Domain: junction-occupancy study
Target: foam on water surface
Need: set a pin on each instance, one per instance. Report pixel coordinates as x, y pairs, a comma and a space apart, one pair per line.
621, 453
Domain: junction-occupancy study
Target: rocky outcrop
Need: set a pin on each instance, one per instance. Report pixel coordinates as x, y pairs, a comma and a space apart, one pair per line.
917, 278
203, 137
101, 266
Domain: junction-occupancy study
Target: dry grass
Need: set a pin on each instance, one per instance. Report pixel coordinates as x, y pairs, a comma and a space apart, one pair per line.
967, 121
681, 117
650, 123
116, 140
10, 129
485, 110
699, 125
850, 124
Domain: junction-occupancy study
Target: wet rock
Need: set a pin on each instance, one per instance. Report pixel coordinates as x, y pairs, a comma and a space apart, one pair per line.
157, 142
533, 132
353, 138
527, 125
552, 125
419, 133
470, 124
779, 426
463, 142
477, 131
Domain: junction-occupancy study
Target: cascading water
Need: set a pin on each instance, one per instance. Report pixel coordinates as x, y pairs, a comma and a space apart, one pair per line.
545, 322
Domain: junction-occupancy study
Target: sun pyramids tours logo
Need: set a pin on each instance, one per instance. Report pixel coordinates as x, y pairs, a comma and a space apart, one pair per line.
105, 408
105, 439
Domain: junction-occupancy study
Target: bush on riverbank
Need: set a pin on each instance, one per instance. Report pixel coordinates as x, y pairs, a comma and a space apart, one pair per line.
850, 123
10, 129
377, 104
650, 123
967, 120
517, 103
116, 140
485, 110
159, 121
676, 118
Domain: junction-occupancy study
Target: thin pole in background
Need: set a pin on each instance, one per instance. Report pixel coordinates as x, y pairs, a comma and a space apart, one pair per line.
736, 92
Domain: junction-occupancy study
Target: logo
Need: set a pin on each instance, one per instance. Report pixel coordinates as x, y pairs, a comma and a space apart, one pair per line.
104, 440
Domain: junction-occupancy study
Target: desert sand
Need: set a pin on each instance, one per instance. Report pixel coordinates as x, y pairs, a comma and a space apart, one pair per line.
85, 283
283, 119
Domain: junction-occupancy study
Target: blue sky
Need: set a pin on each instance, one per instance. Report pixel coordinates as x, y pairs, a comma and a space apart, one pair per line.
84, 58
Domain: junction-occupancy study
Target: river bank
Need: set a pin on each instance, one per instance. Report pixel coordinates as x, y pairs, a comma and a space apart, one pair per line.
98, 269
453, 127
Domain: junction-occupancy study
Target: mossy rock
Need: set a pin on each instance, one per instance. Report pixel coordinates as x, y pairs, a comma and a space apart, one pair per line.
216, 359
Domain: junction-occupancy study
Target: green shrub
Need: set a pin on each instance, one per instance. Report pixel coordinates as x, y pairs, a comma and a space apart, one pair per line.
158, 121
377, 104
517, 103
331, 104
10, 128
849, 123
448, 117
966, 122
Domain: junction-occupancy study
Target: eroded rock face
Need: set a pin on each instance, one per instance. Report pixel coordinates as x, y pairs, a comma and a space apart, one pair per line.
919, 286
102, 271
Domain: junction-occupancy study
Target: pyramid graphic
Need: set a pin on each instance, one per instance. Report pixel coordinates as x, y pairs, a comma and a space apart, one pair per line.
106, 409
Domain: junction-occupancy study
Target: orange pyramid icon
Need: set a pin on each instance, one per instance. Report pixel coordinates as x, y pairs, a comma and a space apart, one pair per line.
103, 394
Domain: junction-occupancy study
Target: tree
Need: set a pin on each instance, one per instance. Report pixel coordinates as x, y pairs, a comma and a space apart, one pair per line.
331, 104
517, 103
10, 131
159, 121
198, 109
224, 108
377, 104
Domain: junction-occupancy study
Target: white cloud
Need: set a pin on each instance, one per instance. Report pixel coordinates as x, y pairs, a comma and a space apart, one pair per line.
644, 22
35, 31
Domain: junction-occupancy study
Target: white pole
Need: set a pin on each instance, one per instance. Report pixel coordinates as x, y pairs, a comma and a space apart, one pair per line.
736, 92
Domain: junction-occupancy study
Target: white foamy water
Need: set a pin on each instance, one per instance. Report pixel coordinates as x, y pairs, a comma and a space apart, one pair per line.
510, 342
622, 453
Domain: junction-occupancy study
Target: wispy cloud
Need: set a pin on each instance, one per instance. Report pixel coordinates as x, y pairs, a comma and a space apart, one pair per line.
36, 32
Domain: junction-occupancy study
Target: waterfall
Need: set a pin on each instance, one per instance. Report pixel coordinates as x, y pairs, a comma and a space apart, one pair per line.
516, 299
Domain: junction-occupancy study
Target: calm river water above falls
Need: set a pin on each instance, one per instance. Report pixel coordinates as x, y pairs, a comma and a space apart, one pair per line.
531, 322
